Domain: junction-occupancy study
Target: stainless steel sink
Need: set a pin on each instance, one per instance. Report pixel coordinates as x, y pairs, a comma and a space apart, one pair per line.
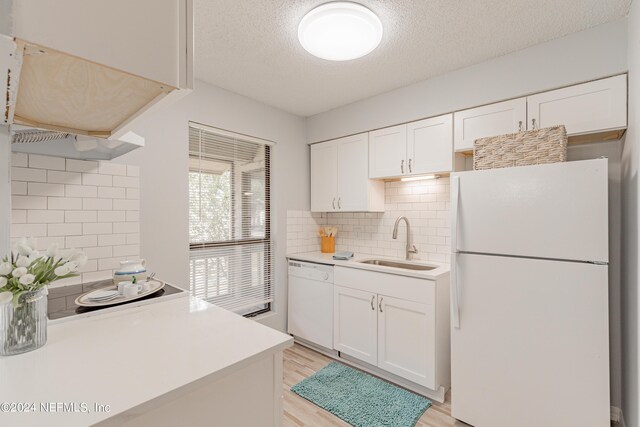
397, 264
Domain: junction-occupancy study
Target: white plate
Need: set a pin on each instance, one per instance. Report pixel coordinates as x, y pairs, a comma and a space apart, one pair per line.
86, 300
102, 294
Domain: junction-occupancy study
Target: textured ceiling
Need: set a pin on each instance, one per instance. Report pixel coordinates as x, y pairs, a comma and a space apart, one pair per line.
251, 47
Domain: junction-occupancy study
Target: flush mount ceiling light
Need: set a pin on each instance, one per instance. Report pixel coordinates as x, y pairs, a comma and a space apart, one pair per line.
340, 31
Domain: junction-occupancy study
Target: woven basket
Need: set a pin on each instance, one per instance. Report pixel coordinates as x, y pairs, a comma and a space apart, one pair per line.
548, 145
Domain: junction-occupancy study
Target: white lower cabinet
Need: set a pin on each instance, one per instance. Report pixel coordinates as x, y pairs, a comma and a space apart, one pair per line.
355, 323
396, 323
400, 352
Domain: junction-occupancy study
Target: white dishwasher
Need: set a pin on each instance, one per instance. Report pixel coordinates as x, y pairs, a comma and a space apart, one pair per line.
311, 302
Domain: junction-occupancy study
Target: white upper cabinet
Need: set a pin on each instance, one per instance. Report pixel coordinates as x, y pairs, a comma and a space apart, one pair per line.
340, 177
353, 173
94, 68
489, 120
596, 106
147, 38
430, 145
415, 148
587, 108
388, 152
324, 176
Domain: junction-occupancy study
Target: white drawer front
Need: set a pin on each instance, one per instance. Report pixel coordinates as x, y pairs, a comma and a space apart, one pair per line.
403, 287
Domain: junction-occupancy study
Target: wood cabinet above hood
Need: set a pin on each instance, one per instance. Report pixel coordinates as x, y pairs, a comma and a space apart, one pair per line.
62, 92
60, 74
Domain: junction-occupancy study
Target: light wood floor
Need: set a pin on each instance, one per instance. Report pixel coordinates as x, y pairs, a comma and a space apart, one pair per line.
301, 362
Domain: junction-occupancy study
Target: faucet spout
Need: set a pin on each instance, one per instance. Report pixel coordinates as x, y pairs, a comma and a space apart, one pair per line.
410, 249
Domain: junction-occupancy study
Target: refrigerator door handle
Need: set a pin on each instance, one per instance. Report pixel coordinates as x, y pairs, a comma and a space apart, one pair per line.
455, 195
455, 302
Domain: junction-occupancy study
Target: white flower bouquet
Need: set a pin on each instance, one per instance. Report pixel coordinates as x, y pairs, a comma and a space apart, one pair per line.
28, 270
24, 275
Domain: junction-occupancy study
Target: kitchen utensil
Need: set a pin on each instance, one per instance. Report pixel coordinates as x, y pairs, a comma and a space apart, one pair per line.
327, 244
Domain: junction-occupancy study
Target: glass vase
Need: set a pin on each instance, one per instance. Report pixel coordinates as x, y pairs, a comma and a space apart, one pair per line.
23, 327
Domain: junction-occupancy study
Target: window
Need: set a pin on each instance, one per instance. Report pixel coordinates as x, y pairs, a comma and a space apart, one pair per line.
229, 219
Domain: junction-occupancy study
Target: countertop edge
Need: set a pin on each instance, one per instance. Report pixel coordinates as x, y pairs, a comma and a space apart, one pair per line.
121, 417
440, 272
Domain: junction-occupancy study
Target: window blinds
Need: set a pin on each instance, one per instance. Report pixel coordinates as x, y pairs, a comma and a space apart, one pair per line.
229, 219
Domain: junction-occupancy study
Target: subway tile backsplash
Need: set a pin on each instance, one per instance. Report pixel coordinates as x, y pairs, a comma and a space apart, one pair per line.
425, 203
302, 230
78, 204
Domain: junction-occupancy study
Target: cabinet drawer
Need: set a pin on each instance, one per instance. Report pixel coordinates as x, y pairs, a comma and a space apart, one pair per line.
403, 287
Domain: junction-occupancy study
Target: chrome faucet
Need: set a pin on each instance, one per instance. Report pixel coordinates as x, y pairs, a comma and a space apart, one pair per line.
411, 249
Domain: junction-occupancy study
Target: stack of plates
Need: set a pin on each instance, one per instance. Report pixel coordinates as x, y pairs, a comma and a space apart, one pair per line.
110, 296
102, 296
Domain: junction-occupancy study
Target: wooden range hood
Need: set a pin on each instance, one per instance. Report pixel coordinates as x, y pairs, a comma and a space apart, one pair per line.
49, 89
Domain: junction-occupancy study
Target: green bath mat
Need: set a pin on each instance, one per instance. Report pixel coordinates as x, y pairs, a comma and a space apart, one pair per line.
361, 399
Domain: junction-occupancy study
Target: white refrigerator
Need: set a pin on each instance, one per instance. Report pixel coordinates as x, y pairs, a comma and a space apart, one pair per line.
530, 325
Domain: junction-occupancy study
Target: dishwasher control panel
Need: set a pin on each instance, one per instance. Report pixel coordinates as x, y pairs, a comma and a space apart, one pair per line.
311, 271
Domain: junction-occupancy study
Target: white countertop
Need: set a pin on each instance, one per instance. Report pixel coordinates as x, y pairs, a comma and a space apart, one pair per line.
129, 357
319, 257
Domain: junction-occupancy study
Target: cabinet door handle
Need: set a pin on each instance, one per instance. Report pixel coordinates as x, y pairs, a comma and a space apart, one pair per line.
333, 203
409, 165
533, 124
372, 298
402, 166
380, 304
520, 126
339, 207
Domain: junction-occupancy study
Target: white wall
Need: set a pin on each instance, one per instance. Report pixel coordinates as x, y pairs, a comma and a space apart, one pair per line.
630, 162
164, 183
5, 190
583, 56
